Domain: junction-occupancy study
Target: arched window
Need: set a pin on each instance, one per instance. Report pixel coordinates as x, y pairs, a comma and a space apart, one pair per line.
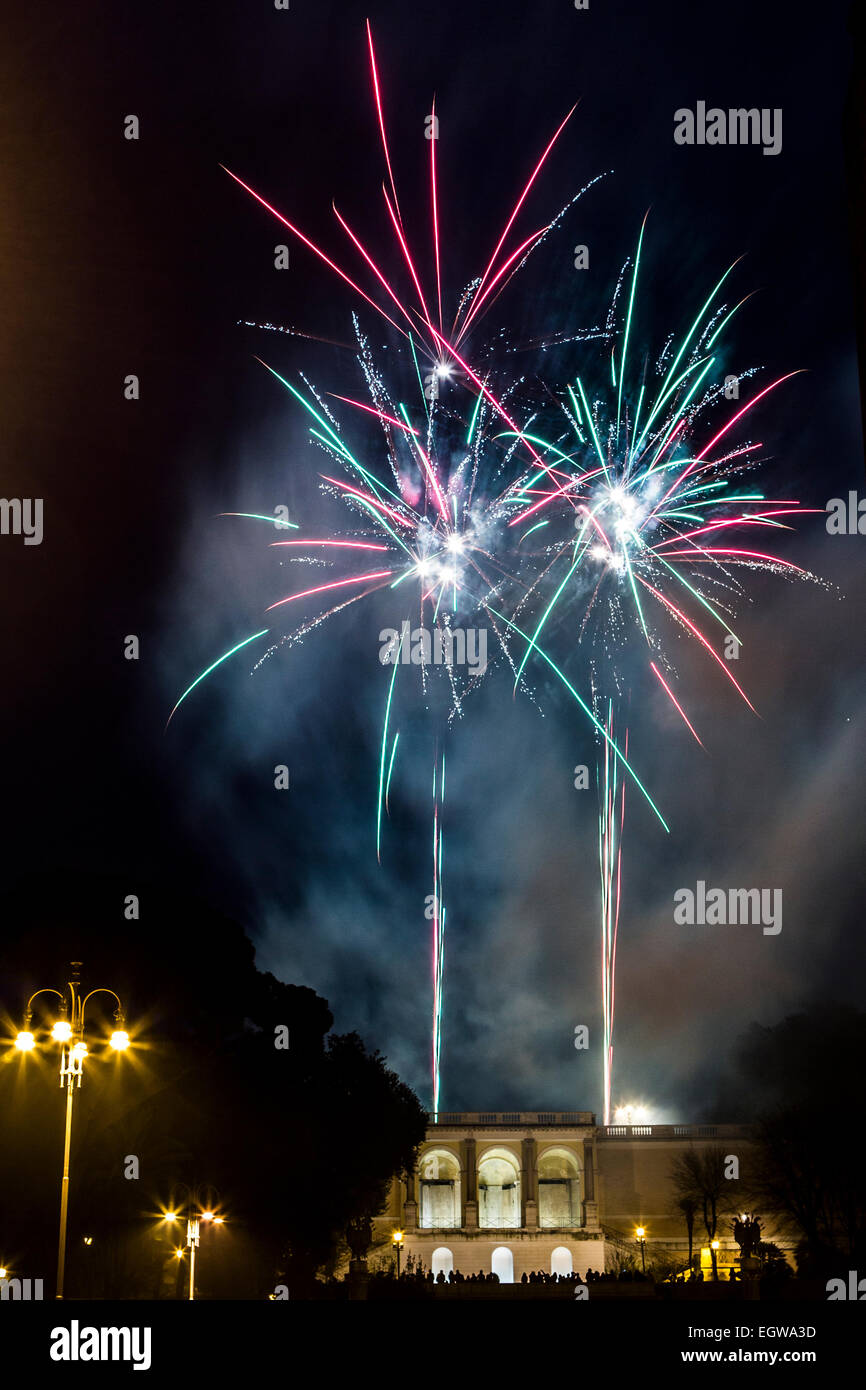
561, 1262
439, 1172
499, 1191
502, 1264
558, 1190
442, 1260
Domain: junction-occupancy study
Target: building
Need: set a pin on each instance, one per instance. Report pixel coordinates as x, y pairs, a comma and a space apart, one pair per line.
516, 1191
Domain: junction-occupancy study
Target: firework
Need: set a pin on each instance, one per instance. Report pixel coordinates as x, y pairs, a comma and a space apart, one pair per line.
534, 528
434, 524
636, 504
628, 517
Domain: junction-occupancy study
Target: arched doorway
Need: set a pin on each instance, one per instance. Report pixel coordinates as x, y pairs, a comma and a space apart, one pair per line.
502, 1264
561, 1261
439, 1174
442, 1260
558, 1189
499, 1191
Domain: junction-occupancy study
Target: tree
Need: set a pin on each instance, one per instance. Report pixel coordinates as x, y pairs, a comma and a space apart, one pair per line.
807, 1066
619, 1252
698, 1177
687, 1207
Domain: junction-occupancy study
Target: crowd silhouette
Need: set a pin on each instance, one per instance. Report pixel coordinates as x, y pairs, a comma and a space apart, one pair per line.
535, 1276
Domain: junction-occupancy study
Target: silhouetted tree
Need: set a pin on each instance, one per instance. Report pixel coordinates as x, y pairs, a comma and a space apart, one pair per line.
807, 1067
687, 1207
698, 1177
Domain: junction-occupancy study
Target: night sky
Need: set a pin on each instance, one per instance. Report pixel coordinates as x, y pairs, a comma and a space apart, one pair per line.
143, 257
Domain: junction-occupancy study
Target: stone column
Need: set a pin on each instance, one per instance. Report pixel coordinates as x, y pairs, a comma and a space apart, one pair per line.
409, 1217
589, 1170
470, 1184
529, 1183
590, 1185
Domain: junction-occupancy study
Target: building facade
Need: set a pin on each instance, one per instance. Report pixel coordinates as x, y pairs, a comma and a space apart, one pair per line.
517, 1191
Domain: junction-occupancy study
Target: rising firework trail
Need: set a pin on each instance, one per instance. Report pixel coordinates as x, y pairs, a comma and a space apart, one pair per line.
438, 906
611, 823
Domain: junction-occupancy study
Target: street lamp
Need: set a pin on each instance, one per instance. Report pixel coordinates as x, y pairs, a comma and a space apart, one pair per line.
640, 1235
68, 1030
194, 1211
397, 1242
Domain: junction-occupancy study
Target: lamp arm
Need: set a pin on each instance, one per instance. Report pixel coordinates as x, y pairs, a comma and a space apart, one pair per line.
100, 990
43, 991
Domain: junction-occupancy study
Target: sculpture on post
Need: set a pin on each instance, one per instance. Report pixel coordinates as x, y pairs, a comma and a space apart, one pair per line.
747, 1234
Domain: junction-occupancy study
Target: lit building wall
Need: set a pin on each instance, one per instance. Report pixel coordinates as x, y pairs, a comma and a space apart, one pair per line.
635, 1187
536, 1190
505, 1192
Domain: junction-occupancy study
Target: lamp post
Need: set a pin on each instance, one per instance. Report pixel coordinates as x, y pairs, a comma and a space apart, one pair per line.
69, 1032
197, 1207
397, 1242
640, 1235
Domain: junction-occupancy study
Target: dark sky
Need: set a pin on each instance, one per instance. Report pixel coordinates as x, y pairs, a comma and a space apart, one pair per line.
119, 257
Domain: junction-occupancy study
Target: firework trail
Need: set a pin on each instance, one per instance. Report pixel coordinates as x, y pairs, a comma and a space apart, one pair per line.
632, 525
610, 831
438, 921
